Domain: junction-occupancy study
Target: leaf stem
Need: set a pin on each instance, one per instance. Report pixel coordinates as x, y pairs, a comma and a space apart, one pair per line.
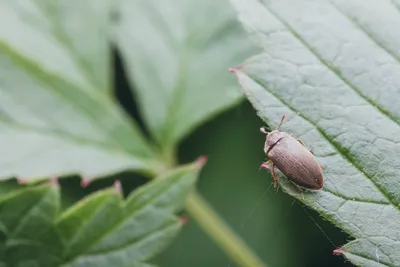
169, 158
217, 229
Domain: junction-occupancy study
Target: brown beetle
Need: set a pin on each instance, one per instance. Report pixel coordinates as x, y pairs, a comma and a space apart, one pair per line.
293, 159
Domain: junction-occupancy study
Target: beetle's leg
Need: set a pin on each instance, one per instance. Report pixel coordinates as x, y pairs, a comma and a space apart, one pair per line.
301, 142
304, 146
270, 165
298, 140
298, 189
274, 176
266, 165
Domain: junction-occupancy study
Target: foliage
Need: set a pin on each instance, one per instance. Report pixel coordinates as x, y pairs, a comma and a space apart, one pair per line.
100, 230
332, 67
59, 118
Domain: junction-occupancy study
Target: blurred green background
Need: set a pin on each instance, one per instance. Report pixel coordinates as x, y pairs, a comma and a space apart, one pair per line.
279, 230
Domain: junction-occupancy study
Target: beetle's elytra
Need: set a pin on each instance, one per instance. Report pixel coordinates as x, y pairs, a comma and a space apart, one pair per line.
293, 159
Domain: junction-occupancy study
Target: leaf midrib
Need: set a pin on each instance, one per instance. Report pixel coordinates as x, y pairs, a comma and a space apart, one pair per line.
120, 222
78, 140
335, 145
64, 41
345, 198
369, 258
350, 85
336, 71
367, 32
26, 214
138, 239
100, 98
83, 225
26, 64
396, 4
174, 106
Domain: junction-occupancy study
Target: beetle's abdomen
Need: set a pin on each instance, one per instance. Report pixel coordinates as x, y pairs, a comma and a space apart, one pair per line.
297, 163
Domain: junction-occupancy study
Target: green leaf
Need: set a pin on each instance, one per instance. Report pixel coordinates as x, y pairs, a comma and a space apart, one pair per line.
333, 67
26, 218
178, 61
142, 264
104, 230
55, 99
101, 230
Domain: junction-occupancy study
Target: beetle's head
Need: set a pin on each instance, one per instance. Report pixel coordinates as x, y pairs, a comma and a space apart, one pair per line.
273, 137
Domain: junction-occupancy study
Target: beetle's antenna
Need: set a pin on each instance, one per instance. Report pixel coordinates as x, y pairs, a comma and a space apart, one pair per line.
255, 207
263, 130
280, 124
319, 227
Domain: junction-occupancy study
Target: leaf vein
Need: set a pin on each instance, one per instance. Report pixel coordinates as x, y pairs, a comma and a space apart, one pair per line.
124, 219
355, 199
65, 41
366, 31
369, 258
335, 70
135, 240
333, 143
79, 140
86, 221
396, 4
27, 66
26, 216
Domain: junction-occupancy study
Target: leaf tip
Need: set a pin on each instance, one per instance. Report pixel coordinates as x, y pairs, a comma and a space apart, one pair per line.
183, 219
118, 186
54, 181
201, 161
338, 251
22, 181
235, 70
85, 182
